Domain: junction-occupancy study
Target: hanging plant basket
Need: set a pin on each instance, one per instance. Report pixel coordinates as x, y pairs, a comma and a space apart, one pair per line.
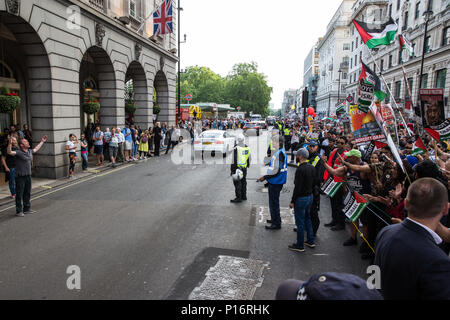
156, 109
91, 107
9, 101
130, 108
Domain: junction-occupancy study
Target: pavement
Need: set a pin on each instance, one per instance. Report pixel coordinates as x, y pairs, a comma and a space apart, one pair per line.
156, 230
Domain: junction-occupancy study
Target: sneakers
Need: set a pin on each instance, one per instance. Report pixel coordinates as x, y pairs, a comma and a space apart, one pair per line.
20, 214
350, 242
296, 248
311, 245
29, 212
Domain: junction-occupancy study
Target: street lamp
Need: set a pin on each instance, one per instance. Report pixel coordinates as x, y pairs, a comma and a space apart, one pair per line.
427, 16
179, 61
339, 88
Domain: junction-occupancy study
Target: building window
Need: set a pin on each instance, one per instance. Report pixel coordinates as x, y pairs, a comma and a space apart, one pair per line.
398, 88
346, 46
427, 44
410, 82
356, 43
353, 47
441, 76
424, 83
400, 56
390, 61
446, 36
390, 10
388, 97
360, 56
417, 16
133, 8
414, 50
356, 61
405, 21
398, 4
430, 5
382, 65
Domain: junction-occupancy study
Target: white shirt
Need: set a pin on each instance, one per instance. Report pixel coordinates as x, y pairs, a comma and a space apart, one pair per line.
71, 145
435, 236
121, 137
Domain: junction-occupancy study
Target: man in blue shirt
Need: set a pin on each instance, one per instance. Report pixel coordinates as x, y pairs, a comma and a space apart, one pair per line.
128, 143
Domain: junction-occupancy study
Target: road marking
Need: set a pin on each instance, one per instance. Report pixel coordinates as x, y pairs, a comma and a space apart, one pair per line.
46, 187
320, 254
72, 184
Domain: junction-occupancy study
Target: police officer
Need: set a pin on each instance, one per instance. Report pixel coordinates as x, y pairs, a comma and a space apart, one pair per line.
276, 177
314, 160
241, 161
287, 137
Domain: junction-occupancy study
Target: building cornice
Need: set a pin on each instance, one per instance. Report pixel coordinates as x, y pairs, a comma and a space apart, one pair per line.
119, 27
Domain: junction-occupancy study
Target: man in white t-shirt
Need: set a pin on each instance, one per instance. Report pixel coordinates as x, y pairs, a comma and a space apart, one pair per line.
71, 147
121, 137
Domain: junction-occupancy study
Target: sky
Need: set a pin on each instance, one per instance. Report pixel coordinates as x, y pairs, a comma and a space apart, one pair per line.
277, 35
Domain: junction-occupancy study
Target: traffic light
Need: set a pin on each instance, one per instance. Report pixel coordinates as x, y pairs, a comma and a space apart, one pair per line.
305, 98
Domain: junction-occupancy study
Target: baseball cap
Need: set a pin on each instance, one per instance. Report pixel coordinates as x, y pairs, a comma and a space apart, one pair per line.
353, 153
327, 286
302, 153
313, 144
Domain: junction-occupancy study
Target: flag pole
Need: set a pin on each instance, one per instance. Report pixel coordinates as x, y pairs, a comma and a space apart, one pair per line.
390, 93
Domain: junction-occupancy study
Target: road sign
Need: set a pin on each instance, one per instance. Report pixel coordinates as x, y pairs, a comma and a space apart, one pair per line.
188, 97
239, 108
350, 99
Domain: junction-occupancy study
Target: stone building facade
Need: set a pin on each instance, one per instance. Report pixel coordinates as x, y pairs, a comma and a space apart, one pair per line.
409, 16
333, 56
57, 54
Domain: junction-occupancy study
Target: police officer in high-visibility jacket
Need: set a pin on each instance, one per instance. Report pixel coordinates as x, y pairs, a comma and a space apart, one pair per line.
314, 160
276, 177
287, 137
241, 162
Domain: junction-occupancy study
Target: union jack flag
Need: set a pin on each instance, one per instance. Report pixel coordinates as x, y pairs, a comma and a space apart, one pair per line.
162, 18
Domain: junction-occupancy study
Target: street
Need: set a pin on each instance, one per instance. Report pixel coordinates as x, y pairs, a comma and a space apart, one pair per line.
152, 230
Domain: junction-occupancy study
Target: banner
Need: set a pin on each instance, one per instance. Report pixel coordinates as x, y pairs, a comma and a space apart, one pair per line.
364, 126
330, 187
354, 205
432, 104
365, 96
368, 152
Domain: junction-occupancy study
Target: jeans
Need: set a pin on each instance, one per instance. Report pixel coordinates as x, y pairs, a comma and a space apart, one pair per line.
84, 157
23, 191
274, 203
135, 149
12, 180
302, 209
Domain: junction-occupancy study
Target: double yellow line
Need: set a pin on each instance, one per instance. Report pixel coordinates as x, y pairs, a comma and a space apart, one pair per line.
72, 184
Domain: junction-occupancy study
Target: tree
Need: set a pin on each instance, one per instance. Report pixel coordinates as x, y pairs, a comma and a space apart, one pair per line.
203, 84
248, 89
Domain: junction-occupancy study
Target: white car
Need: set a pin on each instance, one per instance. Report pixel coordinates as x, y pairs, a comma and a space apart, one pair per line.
214, 141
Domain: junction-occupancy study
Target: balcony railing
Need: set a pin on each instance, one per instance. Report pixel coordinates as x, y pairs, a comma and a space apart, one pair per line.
98, 4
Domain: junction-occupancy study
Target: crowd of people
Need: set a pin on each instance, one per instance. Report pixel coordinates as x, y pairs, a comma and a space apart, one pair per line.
408, 198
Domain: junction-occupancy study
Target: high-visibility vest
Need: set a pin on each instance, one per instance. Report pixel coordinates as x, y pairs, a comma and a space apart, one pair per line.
315, 162
282, 177
243, 153
287, 131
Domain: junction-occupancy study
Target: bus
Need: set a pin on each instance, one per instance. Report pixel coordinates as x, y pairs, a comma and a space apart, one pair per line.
256, 117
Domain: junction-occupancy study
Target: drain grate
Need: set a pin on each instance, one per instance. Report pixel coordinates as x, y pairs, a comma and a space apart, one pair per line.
231, 279
266, 190
263, 214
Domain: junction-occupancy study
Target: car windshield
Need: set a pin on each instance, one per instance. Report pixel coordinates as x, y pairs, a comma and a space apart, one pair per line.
211, 135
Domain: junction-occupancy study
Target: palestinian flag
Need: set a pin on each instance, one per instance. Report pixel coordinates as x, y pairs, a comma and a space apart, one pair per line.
340, 109
380, 145
441, 134
330, 187
418, 147
404, 44
354, 206
371, 77
384, 35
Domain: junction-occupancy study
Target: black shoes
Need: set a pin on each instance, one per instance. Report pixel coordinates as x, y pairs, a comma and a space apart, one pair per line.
338, 227
296, 248
269, 221
237, 200
350, 242
331, 224
311, 245
273, 227
244, 199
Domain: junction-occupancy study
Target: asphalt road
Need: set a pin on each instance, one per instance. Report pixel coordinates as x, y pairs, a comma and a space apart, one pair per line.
151, 231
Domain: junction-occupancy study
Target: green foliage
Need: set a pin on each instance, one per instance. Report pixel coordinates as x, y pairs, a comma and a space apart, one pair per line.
130, 108
9, 101
243, 87
156, 109
91, 107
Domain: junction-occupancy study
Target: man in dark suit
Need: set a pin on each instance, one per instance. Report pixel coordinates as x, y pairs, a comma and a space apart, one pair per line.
412, 264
